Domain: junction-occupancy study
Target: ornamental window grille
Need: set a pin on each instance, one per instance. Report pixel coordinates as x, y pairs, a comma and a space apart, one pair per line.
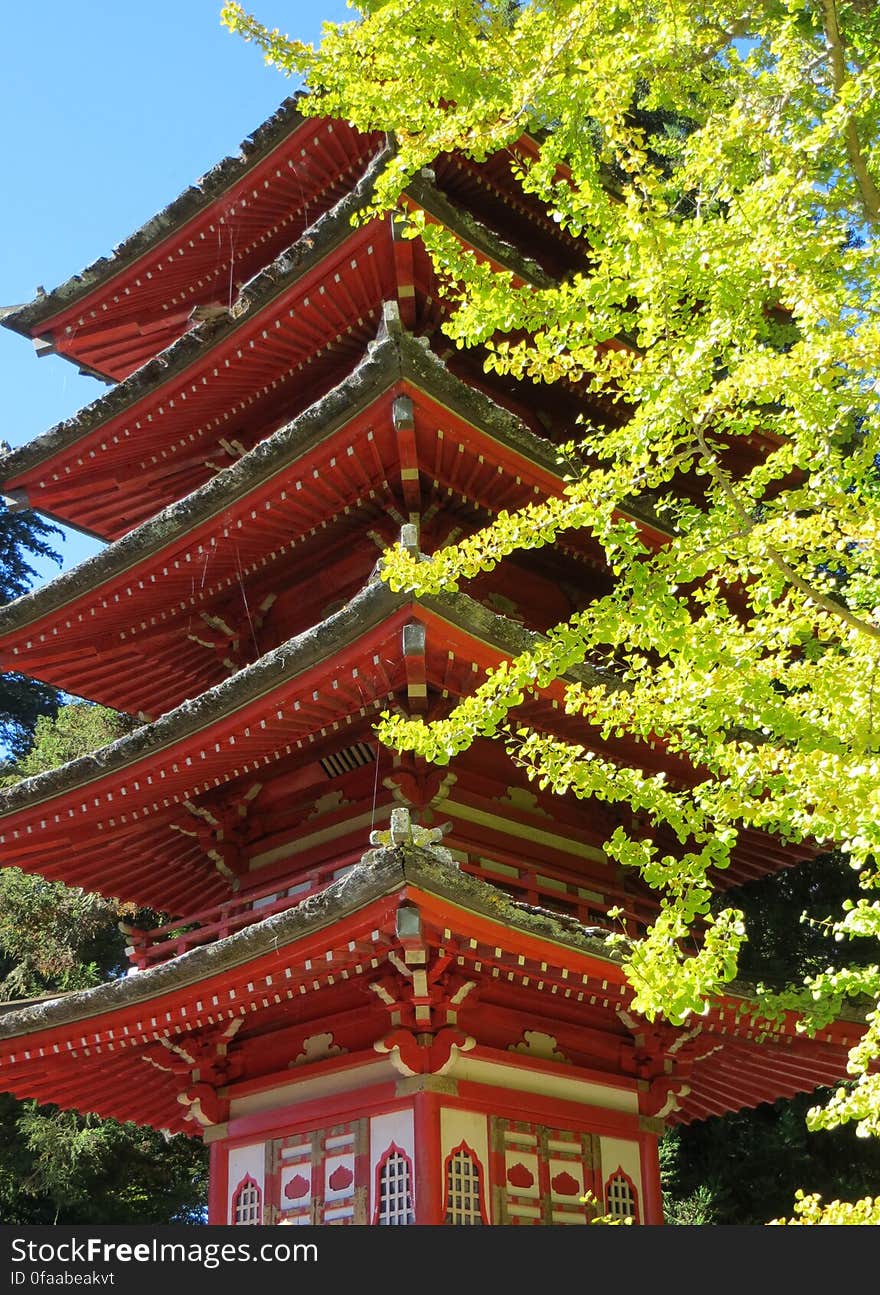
395, 1193
620, 1199
247, 1204
463, 1189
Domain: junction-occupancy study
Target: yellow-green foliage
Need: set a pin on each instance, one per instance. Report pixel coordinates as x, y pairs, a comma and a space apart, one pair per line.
810, 1211
720, 162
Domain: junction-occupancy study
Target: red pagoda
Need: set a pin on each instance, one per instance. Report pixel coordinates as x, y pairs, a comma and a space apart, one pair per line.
380, 990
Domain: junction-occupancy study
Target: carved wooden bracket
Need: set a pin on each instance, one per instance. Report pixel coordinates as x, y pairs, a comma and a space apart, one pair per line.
203, 1062
223, 830
424, 1054
231, 632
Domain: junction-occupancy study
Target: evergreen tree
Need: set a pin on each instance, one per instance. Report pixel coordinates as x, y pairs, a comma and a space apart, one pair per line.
58, 1166
23, 536
702, 1165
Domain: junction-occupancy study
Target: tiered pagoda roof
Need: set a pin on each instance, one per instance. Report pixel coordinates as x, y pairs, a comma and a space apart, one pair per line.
293, 329
398, 432
142, 1045
125, 308
287, 406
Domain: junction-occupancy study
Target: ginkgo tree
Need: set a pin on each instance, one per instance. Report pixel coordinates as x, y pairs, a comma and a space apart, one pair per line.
720, 162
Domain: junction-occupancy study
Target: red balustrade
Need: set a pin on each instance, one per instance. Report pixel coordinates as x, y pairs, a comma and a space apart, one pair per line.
147, 948
539, 885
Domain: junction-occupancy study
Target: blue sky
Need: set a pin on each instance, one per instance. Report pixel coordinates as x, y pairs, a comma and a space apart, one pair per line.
109, 111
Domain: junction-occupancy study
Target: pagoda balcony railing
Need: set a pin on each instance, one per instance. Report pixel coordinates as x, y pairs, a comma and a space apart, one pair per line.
538, 886
147, 948
543, 886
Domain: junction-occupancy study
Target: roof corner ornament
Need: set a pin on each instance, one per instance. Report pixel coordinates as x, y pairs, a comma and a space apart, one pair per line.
403, 831
16, 500
391, 323
409, 539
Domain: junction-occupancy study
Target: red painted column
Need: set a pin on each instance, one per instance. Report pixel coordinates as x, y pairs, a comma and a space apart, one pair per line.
218, 1185
428, 1167
652, 1196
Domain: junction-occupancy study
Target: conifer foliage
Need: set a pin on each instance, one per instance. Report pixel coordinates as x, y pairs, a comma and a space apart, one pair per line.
23, 537
58, 1166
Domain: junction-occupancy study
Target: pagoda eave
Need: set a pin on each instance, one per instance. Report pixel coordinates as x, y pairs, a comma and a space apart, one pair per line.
186, 1046
312, 312
319, 692
118, 312
326, 682
372, 438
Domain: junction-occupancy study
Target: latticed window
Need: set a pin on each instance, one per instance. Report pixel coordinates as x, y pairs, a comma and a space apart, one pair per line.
247, 1204
620, 1199
395, 1193
463, 1189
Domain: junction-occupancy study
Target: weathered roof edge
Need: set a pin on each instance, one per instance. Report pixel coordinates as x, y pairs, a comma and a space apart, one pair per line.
367, 609
314, 244
379, 873
225, 173
394, 354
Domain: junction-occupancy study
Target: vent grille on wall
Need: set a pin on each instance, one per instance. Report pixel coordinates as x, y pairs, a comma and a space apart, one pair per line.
350, 757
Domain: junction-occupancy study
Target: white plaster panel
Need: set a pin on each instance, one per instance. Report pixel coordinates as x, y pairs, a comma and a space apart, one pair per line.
624, 1154
296, 1164
340, 1168
473, 1128
559, 1172
289, 1173
545, 1083
395, 1127
568, 1217
249, 1161
515, 1162
339, 1165
464, 1126
306, 1089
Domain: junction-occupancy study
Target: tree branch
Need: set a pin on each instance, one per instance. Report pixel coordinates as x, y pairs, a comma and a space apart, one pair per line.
867, 188
719, 476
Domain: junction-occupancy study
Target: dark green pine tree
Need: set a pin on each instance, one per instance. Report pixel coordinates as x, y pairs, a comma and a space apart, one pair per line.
744, 1168
23, 537
58, 1166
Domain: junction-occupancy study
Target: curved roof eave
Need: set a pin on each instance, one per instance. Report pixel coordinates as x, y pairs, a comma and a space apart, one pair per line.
313, 245
394, 353
26, 319
374, 604
380, 872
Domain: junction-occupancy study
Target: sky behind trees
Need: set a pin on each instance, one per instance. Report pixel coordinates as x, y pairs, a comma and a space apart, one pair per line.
108, 112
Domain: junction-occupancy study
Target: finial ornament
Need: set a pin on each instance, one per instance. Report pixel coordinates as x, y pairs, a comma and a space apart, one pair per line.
403, 831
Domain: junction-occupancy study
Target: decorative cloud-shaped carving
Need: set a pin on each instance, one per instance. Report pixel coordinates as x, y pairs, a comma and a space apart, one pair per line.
536, 1044
296, 1188
341, 1178
519, 1176
318, 1047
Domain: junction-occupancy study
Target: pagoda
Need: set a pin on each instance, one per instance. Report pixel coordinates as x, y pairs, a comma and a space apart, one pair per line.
379, 990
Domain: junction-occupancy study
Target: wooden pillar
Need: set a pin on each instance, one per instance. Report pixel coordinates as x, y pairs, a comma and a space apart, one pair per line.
428, 1166
652, 1196
218, 1186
